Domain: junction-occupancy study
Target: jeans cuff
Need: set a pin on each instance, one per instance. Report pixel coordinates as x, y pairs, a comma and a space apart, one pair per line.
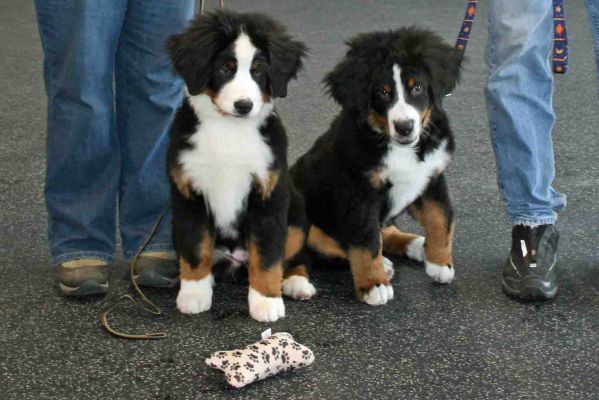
79, 255
534, 221
151, 247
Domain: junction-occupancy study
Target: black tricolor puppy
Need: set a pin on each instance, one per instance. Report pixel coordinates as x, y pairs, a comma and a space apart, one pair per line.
227, 160
384, 153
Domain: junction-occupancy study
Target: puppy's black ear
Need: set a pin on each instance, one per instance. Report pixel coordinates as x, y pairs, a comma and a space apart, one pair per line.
286, 59
349, 82
192, 52
444, 64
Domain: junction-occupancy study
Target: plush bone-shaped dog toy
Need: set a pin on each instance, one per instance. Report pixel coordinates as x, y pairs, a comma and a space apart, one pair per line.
268, 357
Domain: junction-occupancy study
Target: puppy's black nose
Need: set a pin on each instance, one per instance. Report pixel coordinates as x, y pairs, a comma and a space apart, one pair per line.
243, 107
405, 127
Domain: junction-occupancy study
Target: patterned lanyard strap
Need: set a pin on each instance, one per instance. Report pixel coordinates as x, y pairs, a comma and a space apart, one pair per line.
560, 39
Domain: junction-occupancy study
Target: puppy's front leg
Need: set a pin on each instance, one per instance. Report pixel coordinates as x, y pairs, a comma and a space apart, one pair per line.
371, 280
266, 248
193, 237
195, 293
264, 297
433, 211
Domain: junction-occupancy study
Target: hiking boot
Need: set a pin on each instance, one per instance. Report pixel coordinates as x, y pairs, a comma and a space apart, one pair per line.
83, 277
157, 269
530, 273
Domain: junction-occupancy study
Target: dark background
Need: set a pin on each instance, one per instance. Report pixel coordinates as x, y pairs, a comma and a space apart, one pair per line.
466, 340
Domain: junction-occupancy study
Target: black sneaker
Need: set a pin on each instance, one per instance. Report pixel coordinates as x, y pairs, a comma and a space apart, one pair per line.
530, 272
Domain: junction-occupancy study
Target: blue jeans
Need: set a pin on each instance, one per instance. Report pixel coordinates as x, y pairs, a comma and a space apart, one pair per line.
519, 106
111, 98
593, 8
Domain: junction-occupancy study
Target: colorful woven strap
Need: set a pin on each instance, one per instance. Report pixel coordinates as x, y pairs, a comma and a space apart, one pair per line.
560, 38
464, 35
560, 42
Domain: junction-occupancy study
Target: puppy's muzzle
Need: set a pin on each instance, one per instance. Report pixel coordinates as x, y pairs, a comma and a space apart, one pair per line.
405, 131
243, 107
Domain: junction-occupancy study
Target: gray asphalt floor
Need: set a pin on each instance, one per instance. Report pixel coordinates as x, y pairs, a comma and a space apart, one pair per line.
463, 341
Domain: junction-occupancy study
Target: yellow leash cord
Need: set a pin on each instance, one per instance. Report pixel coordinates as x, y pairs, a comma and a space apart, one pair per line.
143, 302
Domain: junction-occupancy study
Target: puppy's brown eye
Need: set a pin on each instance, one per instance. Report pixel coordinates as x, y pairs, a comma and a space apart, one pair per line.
416, 90
384, 93
227, 68
256, 67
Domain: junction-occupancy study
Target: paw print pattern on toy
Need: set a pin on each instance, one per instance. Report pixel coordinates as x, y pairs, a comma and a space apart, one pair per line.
279, 353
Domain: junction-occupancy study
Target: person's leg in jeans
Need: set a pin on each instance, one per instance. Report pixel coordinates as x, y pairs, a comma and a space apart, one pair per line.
147, 97
79, 39
593, 8
519, 104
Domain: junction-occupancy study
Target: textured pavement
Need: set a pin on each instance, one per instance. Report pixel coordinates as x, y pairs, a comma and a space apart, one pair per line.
463, 341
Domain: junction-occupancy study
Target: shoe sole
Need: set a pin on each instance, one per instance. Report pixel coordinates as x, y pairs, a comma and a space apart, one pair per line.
86, 288
152, 279
531, 289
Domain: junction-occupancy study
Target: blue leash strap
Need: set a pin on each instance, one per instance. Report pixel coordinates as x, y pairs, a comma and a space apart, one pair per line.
560, 38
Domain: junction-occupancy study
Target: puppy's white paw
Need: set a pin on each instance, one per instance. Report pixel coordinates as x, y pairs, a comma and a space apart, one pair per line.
195, 296
378, 294
415, 249
298, 287
388, 266
265, 309
440, 273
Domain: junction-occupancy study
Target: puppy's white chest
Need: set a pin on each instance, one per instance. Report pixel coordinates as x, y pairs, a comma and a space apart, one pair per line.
226, 153
409, 175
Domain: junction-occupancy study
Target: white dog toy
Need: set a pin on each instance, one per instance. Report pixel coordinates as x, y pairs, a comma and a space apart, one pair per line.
273, 355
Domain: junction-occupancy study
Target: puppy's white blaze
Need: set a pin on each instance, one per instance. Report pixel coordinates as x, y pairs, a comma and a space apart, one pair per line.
409, 175
401, 110
195, 296
440, 273
242, 86
263, 308
415, 249
225, 153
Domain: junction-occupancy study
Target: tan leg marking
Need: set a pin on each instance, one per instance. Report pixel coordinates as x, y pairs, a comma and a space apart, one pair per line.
300, 270
197, 272
367, 269
396, 241
295, 241
266, 281
182, 182
439, 234
324, 244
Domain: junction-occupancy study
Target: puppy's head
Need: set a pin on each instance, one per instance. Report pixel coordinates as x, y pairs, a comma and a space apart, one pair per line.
240, 60
393, 80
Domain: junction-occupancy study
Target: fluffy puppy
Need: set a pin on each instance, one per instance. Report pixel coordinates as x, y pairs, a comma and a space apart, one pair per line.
227, 161
384, 153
